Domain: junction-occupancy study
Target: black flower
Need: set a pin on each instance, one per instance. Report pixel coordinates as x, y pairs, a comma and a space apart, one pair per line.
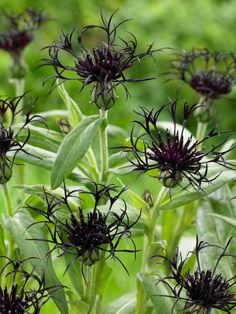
10, 143
20, 30
27, 292
201, 290
18, 34
211, 74
102, 66
175, 156
86, 235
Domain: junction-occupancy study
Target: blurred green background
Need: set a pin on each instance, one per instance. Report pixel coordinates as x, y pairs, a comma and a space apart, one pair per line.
182, 24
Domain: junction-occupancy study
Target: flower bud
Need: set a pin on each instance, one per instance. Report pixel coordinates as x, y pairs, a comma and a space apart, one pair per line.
5, 170
170, 179
103, 95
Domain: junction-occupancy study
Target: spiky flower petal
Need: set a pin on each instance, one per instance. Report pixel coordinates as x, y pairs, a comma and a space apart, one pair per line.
102, 66
200, 290
87, 235
174, 155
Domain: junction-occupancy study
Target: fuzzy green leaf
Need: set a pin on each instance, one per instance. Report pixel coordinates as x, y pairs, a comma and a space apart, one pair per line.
73, 148
74, 113
17, 226
123, 305
155, 292
190, 194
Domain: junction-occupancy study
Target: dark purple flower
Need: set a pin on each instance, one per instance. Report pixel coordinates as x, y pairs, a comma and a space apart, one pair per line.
201, 290
18, 34
10, 142
211, 74
20, 30
174, 156
103, 66
27, 292
86, 235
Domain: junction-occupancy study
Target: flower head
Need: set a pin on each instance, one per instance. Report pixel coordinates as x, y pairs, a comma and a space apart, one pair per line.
103, 66
10, 144
20, 30
18, 34
201, 290
173, 154
210, 74
27, 292
87, 235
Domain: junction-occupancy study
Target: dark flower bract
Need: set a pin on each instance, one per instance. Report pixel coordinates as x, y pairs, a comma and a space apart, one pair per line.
201, 290
102, 66
174, 155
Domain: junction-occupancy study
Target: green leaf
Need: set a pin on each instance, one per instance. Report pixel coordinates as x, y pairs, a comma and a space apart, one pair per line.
117, 159
17, 226
116, 131
155, 291
189, 195
74, 113
170, 126
43, 138
3, 249
229, 220
45, 160
123, 305
73, 148
75, 274
217, 231
53, 114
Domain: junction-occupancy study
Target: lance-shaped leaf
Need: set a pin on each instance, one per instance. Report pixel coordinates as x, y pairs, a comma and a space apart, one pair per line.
73, 148
18, 227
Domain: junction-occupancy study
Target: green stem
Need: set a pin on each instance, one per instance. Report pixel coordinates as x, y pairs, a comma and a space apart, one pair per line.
19, 91
7, 200
103, 147
141, 295
201, 131
9, 211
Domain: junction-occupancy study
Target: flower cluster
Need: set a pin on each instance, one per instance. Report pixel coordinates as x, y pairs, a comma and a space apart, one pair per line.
171, 153
88, 234
10, 144
102, 66
27, 292
211, 74
201, 290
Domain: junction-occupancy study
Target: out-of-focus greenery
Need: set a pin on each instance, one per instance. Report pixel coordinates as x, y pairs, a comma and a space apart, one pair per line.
179, 25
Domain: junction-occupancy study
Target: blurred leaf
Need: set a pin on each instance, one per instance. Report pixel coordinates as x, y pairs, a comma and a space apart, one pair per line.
17, 226
217, 231
189, 195
116, 131
74, 113
75, 273
3, 250
170, 126
53, 113
231, 221
73, 148
155, 292
117, 159
121, 170
124, 305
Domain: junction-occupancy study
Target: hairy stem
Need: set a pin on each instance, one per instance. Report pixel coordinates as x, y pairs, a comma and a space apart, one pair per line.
9, 211
103, 147
148, 239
